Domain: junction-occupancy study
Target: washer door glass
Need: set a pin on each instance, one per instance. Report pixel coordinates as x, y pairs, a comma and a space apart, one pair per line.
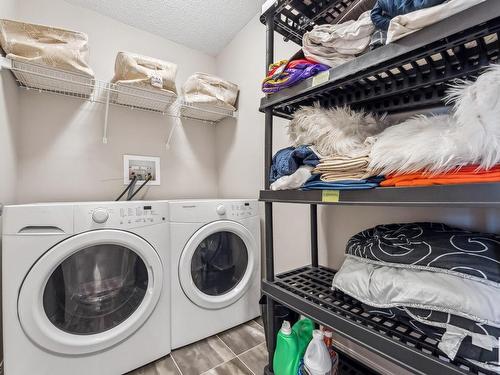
95, 289
219, 263
90, 291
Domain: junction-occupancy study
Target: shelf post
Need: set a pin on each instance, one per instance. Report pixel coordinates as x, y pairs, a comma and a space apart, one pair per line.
106, 117
314, 235
268, 150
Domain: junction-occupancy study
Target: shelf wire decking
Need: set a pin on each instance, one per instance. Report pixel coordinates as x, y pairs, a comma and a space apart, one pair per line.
314, 286
46, 79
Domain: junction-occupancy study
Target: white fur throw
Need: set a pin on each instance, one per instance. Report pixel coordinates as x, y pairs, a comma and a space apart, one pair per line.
336, 131
469, 135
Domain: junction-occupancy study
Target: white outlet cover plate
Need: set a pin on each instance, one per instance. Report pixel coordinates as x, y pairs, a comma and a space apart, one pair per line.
151, 162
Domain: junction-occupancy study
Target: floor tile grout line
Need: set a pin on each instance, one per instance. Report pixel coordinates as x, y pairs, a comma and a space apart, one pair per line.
236, 356
175, 363
220, 364
260, 325
252, 348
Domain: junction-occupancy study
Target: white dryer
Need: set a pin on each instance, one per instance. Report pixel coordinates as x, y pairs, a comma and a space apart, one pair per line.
215, 247
85, 290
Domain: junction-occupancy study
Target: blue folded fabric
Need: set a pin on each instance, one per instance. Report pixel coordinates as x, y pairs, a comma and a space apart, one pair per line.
315, 183
385, 10
288, 160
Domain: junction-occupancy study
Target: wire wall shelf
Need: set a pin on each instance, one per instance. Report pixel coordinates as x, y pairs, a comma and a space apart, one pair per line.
56, 81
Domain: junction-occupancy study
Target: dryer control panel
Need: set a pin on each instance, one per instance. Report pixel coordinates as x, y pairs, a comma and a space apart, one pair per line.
122, 215
195, 211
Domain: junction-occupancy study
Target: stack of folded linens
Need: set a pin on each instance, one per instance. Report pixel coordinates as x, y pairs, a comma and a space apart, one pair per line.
207, 90
338, 168
448, 284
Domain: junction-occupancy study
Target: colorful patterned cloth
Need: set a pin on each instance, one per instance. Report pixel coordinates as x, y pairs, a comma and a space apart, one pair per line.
285, 74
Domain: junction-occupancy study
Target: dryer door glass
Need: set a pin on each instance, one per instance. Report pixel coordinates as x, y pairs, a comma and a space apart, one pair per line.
95, 289
219, 263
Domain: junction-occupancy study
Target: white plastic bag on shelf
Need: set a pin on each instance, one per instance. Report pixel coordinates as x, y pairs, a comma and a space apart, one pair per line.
208, 90
145, 72
47, 46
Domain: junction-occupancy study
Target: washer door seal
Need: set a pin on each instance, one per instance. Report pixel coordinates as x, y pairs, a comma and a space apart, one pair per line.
66, 294
218, 264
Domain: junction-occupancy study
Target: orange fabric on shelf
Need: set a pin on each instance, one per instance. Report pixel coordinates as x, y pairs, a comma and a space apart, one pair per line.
464, 175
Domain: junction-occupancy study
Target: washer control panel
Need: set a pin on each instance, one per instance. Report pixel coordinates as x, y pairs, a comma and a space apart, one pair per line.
241, 210
121, 215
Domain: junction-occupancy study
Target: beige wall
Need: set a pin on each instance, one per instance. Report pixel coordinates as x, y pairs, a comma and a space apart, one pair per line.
8, 113
60, 152
240, 162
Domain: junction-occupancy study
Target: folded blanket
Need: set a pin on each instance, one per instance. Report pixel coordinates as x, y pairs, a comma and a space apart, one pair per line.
336, 44
338, 168
288, 160
406, 24
464, 175
433, 247
285, 74
385, 10
315, 183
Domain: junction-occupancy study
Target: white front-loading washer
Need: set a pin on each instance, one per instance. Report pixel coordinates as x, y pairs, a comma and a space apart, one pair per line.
85, 287
215, 246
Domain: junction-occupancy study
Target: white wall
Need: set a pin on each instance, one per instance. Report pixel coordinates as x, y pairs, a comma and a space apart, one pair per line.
8, 113
61, 156
8, 122
240, 161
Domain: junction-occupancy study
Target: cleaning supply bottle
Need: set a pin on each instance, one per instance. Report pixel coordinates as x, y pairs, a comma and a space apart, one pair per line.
304, 329
328, 339
317, 359
286, 356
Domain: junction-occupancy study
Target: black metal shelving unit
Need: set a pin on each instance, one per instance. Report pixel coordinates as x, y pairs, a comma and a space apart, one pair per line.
410, 74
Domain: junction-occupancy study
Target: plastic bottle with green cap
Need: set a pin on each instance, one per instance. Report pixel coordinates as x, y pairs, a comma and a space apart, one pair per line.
286, 356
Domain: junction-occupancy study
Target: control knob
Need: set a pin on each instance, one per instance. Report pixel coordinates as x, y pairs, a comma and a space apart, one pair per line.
100, 215
221, 210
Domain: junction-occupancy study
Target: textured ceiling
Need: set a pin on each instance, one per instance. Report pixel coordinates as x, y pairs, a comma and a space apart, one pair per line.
204, 25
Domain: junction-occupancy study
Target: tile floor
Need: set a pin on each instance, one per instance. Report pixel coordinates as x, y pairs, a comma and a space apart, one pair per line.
238, 351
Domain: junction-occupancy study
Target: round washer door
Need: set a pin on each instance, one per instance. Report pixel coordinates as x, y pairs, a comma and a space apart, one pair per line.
90, 292
217, 264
